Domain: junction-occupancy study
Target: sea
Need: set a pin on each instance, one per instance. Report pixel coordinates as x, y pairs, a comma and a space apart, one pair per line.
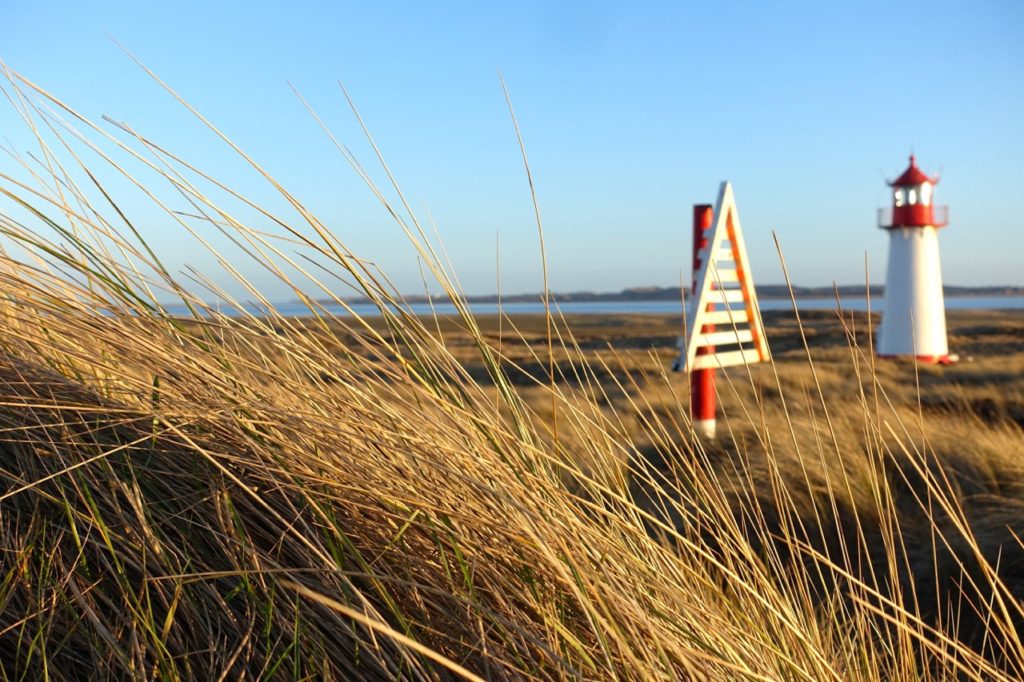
629, 307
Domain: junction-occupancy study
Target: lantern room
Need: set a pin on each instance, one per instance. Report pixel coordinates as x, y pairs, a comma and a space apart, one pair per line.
912, 195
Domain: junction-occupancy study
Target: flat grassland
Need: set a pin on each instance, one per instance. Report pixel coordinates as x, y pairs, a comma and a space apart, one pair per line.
984, 389
977, 401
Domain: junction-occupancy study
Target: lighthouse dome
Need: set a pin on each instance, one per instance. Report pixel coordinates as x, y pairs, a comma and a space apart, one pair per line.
913, 176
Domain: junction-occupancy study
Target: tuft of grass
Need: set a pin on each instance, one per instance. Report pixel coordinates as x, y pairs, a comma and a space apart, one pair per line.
225, 493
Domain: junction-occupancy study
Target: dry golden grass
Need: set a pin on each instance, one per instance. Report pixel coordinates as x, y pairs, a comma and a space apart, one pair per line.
333, 497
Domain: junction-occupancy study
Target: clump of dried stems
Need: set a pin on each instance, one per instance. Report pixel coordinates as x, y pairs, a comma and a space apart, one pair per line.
252, 495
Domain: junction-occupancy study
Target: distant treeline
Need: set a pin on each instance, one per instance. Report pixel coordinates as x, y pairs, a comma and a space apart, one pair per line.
673, 294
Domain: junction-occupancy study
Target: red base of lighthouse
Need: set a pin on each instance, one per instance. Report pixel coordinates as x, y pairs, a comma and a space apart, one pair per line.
927, 359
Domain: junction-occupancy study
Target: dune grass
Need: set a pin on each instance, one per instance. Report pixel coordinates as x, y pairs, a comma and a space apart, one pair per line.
229, 496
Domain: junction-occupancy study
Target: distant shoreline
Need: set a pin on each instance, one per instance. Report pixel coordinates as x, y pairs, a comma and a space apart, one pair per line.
769, 291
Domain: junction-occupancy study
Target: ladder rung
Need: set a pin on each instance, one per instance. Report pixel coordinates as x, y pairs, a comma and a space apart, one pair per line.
728, 359
725, 338
725, 296
724, 253
724, 275
729, 317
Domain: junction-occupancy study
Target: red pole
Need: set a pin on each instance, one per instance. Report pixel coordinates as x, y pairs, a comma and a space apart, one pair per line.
702, 381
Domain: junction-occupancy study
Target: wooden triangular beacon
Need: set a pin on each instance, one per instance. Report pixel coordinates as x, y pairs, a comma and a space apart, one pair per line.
724, 295
723, 322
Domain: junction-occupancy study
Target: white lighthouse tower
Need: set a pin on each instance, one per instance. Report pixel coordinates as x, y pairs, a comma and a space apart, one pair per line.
914, 318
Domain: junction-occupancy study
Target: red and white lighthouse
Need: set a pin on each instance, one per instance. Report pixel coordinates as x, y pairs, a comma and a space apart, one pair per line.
914, 317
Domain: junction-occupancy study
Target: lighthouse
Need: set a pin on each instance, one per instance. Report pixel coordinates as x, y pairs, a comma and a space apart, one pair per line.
914, 317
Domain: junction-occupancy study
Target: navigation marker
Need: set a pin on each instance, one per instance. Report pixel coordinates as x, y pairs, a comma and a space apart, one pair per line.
723, 322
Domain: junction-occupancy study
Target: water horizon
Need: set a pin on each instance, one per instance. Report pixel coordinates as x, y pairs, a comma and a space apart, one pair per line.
638, 307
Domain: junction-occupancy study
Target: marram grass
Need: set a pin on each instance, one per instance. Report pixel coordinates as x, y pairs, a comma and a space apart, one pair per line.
264, 497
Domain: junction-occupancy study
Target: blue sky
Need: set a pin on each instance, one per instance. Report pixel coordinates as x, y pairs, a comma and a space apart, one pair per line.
631, 113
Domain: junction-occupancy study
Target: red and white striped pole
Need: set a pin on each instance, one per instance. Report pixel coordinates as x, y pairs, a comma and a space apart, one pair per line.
702, 381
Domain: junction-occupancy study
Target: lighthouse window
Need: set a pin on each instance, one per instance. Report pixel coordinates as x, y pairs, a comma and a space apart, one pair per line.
900, 197
912, 196
926, 193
